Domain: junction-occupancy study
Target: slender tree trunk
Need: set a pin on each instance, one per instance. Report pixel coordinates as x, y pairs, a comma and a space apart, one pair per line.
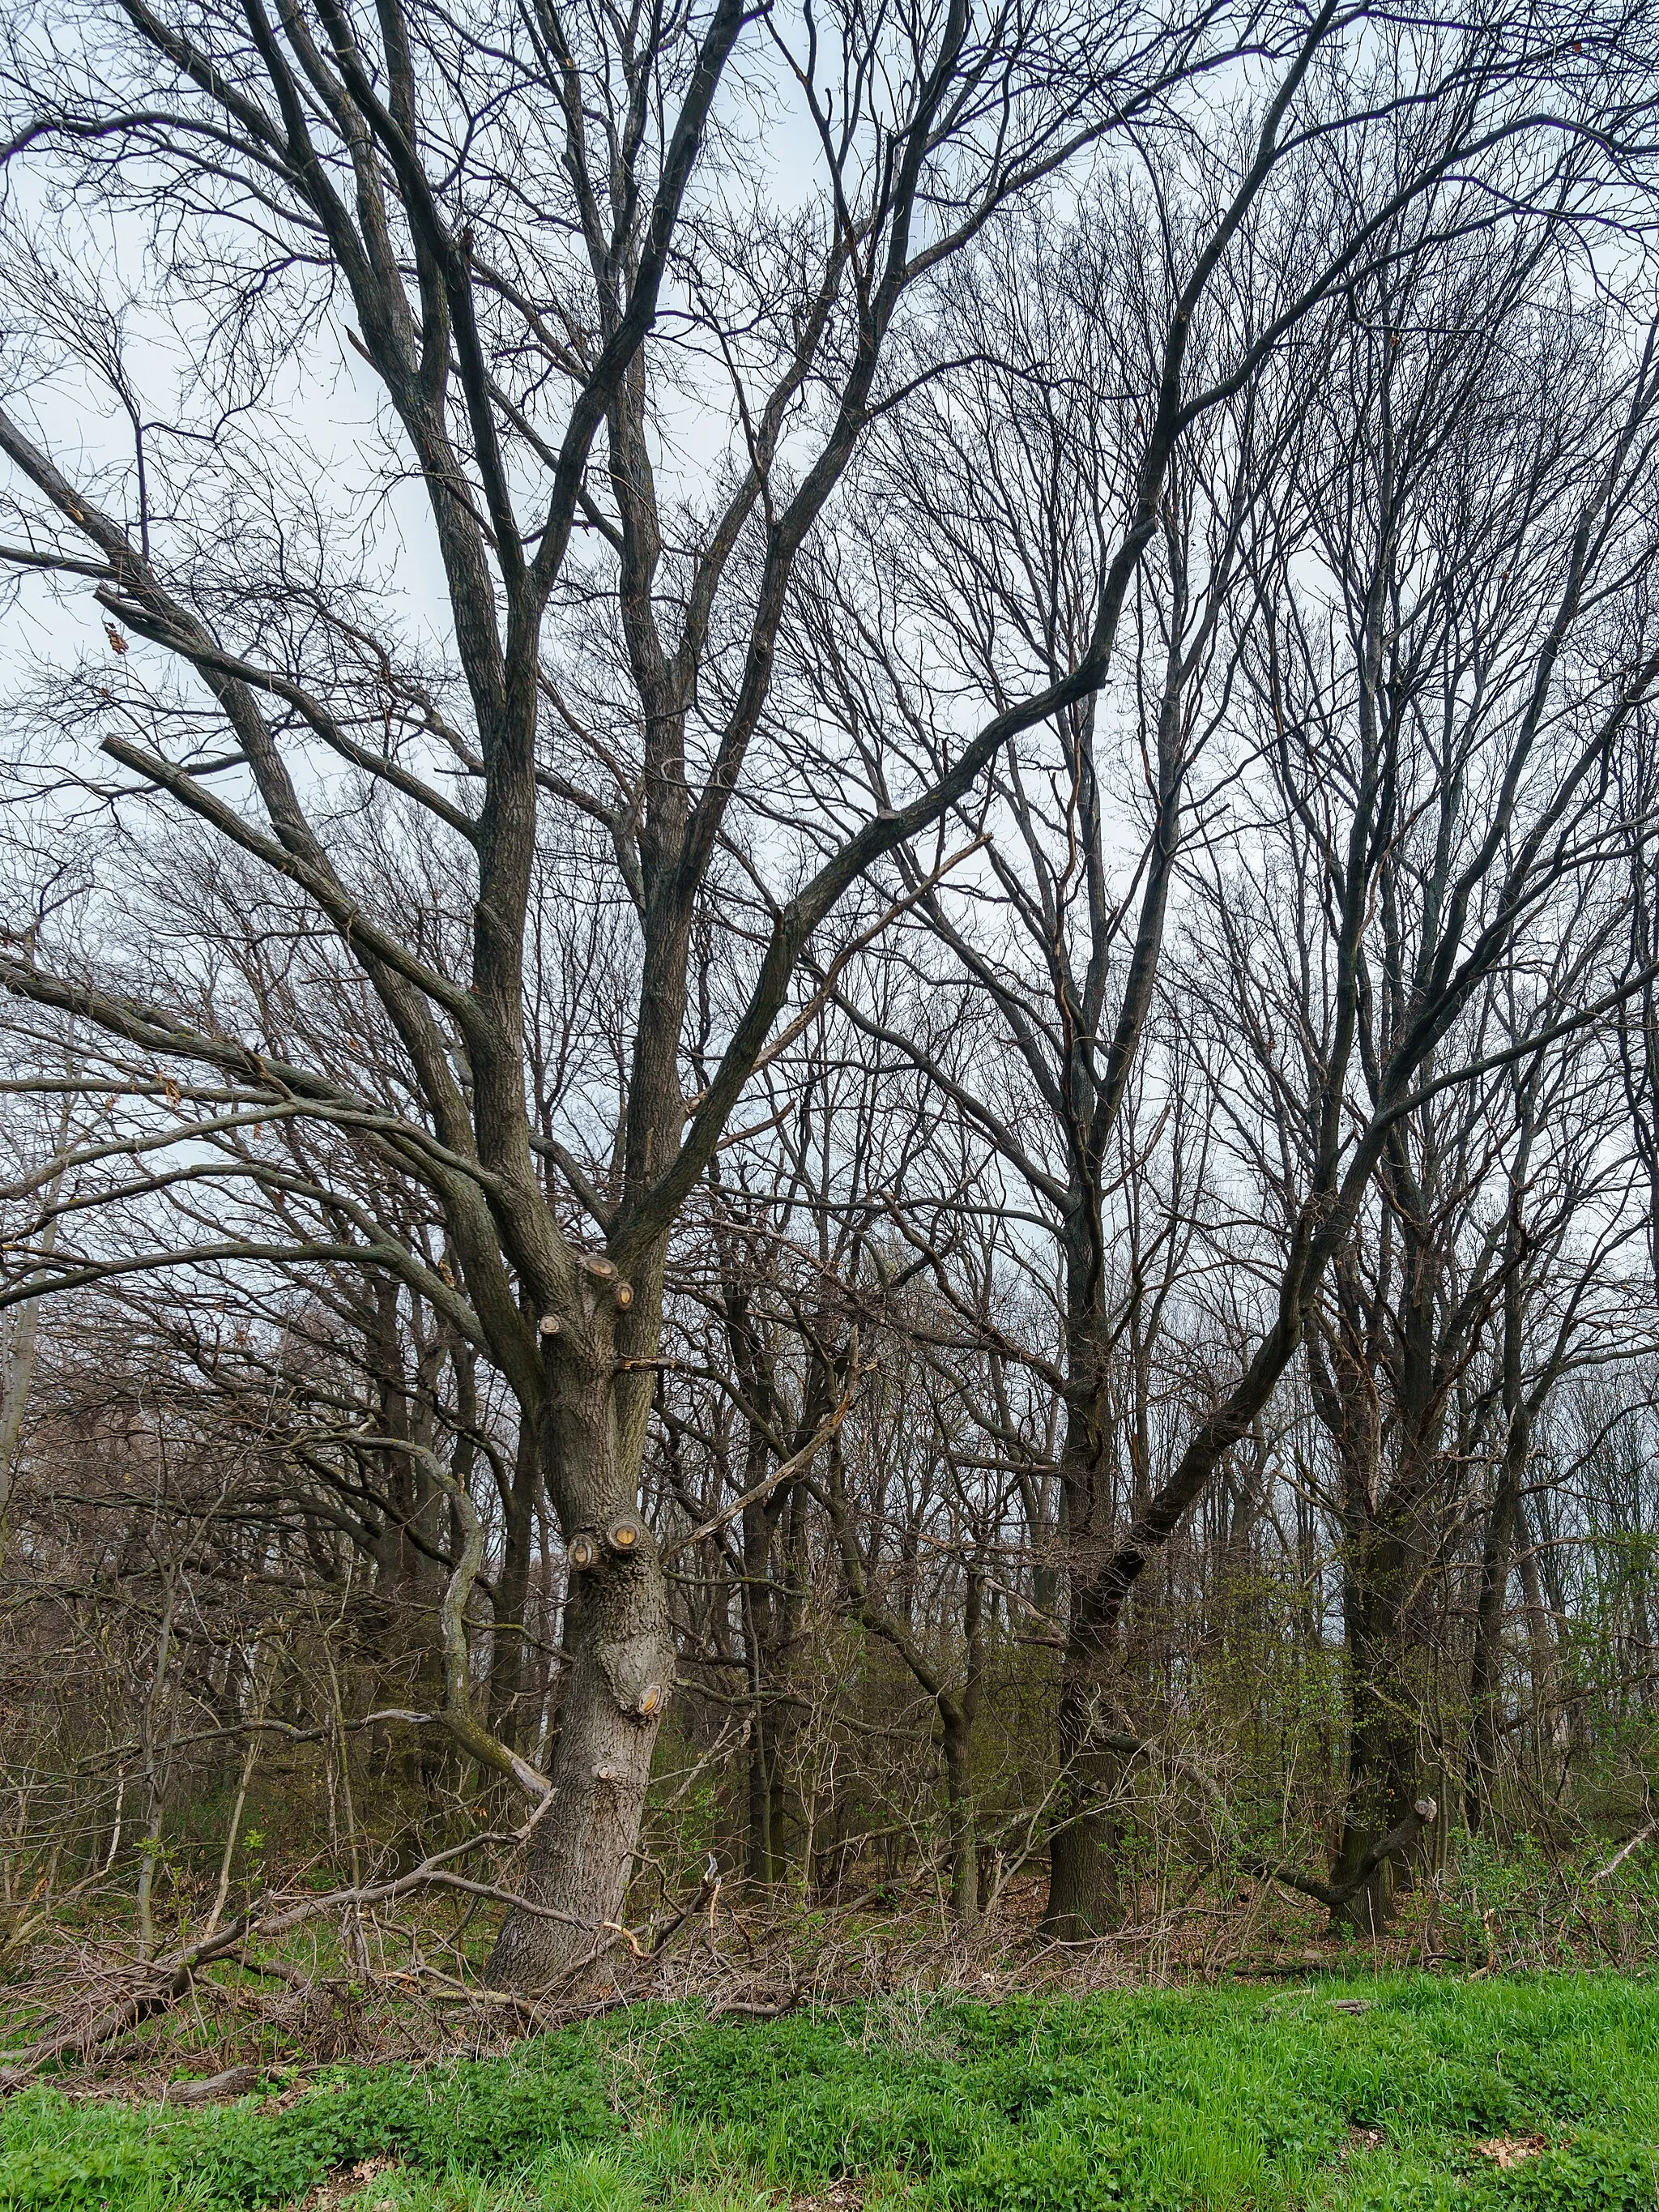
1487, 1663
961, 1829
509, 1646
1084, 1897
959, 1711
1543, 1655
766, 1633
1498, 1553
759, 1627
760, 1862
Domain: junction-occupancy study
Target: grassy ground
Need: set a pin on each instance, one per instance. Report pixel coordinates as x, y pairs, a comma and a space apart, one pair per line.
1542, 2093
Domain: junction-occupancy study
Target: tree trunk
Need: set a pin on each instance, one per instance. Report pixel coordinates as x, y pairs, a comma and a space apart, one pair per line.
581, 1856
617, 1666
962, 1832
508, 1645
1548, 1732
1487, 1663
768, 1628
1086, 1845
957, 1713
1383, 1729
1498, 1553
760, 1861
761, 1611
1084, 1897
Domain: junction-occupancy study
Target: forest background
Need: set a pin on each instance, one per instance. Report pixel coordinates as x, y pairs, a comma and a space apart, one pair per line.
831, 1041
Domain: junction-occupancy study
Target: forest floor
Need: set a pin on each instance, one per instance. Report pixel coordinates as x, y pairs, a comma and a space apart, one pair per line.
1392, 2090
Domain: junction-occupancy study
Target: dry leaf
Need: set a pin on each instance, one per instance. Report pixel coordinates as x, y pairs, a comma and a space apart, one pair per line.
1512, 2150
336, 2191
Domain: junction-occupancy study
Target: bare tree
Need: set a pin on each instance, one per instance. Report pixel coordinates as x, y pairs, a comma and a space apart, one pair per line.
1444, 733
996, 516
481, 682
542, 239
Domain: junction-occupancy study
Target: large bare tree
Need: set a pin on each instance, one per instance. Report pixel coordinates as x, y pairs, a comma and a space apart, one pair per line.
629, 291
437, 415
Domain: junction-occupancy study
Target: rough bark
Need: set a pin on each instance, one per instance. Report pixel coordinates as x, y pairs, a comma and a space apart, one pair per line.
1084, 1898
581, 1857
1385, 1725
617, 1659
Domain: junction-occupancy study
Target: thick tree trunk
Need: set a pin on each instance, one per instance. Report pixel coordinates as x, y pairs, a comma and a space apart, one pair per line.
1383, 1734
581, 1856
617, 1670
1086, 1899
1085, 1843
579, 1859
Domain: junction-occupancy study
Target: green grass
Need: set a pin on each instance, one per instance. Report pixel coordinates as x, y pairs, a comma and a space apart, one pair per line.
1147, 2101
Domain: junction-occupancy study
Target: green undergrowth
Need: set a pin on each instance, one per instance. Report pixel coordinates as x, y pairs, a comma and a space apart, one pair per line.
1150, 2101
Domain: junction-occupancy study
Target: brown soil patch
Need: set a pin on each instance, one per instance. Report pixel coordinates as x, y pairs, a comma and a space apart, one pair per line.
1362, 2139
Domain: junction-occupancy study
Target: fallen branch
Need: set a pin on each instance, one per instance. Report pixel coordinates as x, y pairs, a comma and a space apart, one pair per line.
1332, 1894
780, 1474
1641, 1837
166, 1979
233, 2082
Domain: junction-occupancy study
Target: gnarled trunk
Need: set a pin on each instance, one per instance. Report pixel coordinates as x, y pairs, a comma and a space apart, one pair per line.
617, 1661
